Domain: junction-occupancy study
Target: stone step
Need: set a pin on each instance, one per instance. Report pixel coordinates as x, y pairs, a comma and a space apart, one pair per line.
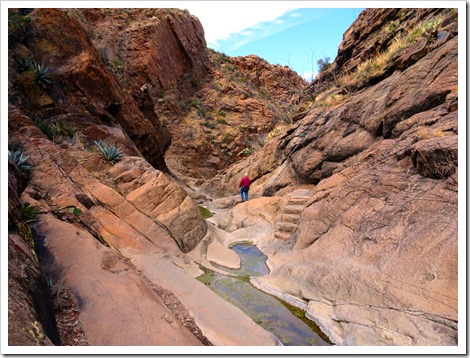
282, 235
291, 218
302, 192
297, 201
294, 209
286, 227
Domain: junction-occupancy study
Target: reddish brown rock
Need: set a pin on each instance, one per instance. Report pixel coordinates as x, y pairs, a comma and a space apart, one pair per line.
31, 319
374, 31
375, 256
106, 211
436, 157
82, 92
118, 306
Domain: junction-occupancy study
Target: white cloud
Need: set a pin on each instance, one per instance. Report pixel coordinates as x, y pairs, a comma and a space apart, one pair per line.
224, 18
309, 75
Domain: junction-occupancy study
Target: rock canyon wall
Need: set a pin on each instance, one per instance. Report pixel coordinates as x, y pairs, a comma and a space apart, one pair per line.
373, 140
375, 256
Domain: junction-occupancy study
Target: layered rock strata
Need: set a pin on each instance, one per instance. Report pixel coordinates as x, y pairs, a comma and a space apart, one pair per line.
375, 260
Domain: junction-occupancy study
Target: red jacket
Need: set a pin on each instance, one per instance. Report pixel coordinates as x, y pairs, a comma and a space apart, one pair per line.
244, 182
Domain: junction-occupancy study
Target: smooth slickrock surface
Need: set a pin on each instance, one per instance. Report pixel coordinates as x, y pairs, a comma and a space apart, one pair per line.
370, 251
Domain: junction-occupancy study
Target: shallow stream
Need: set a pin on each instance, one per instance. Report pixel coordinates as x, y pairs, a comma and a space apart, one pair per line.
266, 310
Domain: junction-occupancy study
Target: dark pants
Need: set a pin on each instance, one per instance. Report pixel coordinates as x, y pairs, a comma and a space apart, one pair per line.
244, 193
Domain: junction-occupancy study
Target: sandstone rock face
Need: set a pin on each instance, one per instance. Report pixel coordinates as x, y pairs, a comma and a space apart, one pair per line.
89, 252
230, 114
375, 30
155, 48
146, 75
83, 93
30, 315
111, 77
158, 196
218, 109
375, 259
117, 304
119, 218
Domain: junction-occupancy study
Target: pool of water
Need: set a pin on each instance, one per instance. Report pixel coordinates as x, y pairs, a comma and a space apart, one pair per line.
264, 309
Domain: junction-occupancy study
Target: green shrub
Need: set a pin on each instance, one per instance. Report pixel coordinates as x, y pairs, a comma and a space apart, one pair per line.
227, 138
19, 159
29, 212
393, 26
223, 57
206, 213
185, 106
201, 112
432, 24
323, 64
246, 94
14, 144
17, 26
54, 129
69, 213
276, 131
63, 129
414, 34
246, 151
264, 94
110, 153
45, 127
117, 65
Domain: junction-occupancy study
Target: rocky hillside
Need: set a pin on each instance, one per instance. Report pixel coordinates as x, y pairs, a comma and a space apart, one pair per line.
216, 108
111, 110
374, 258
96, 98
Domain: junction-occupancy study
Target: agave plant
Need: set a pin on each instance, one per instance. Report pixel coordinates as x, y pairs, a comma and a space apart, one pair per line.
23, 64
41, 74
110, 153
19, 159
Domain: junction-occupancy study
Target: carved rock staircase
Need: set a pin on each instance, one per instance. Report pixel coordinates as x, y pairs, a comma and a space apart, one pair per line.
291, 215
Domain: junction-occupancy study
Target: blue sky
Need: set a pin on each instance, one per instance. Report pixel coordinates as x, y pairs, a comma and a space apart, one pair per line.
276, 31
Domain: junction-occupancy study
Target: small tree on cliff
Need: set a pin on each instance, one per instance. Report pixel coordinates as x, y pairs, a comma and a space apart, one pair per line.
323, 64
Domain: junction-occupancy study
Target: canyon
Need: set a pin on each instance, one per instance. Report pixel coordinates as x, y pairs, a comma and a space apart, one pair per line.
354, 199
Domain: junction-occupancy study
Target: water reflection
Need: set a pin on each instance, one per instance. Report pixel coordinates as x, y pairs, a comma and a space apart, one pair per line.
264, 309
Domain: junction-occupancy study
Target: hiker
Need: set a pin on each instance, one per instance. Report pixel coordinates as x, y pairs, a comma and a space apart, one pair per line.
244, 187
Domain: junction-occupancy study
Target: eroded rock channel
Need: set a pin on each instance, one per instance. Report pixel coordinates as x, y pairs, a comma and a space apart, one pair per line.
266, 310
